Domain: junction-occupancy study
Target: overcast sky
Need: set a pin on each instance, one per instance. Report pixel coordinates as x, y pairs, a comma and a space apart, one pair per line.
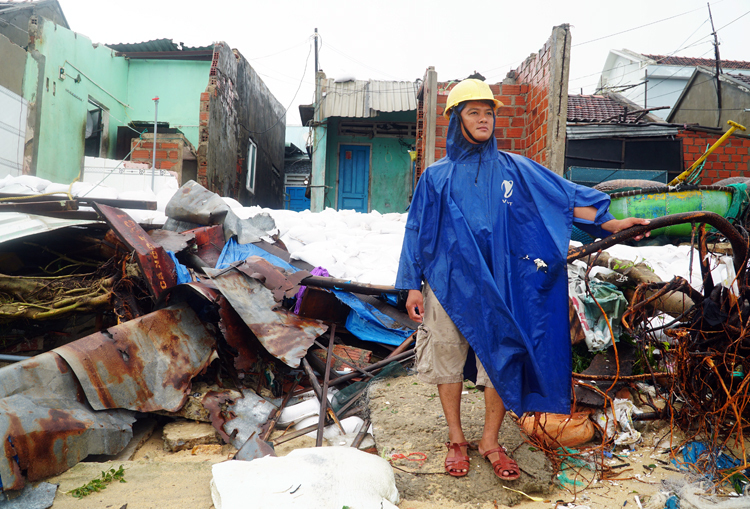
398, 40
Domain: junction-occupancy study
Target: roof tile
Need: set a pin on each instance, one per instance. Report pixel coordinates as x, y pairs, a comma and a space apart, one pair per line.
595, 108
706, 62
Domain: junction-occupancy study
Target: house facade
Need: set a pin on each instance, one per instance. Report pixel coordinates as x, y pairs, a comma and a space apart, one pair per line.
363, 134
64, 98
710, 102
655, 80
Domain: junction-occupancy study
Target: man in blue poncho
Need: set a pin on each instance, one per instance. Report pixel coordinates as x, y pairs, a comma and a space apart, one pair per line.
488, 233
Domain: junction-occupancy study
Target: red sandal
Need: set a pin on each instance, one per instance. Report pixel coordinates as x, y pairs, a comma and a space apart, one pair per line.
503, 464
457, 465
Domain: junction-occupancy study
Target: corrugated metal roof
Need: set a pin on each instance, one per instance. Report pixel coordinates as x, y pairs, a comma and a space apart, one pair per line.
364, 99
155, 46
583, 132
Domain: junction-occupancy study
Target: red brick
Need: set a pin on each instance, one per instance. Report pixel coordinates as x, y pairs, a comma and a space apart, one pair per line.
500, 133
517, 122
440, 142
203, 115
524, 89
511, 89
442, 99
168, 145
694, 150
688, 141
495, 89
506, 100
520, 111
204, 96
504, 144
165, 165
147, 144
724, 174
505, 111
520, 100
441, 120
161, 154
514, 132
504, 121
140, 154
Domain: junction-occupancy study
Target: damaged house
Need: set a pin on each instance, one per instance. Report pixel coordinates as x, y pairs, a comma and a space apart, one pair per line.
364, 131
67, 99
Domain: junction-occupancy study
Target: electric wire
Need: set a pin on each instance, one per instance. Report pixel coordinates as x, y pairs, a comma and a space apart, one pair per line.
304, 72
636, 28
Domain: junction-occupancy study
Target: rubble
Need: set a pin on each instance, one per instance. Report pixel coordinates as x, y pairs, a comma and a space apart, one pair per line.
182, 435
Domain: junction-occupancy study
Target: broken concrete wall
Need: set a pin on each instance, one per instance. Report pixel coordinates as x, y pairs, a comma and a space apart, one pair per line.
16, 19
237, 108
531, 121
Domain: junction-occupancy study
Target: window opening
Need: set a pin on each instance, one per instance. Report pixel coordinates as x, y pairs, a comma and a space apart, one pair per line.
252, 151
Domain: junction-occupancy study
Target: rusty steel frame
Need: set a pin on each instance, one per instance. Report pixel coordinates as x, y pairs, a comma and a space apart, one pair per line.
283, 334
156, 265
145, 364
735, 237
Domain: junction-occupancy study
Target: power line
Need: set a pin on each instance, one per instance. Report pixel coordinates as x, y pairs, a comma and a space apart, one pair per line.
638, 27
307, 60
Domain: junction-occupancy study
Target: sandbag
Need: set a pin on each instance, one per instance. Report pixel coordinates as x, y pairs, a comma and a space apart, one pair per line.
556, 430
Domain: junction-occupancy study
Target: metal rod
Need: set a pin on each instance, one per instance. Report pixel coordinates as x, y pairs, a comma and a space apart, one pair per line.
361, 435
12, 358
403, 346
316, 51
373, 367
347, 285
739, 248
272, 422
326, 380
153, 147
312, 427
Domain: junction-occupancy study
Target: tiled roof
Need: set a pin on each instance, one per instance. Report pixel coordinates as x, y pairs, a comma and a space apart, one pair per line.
706, 62
595, 108
740, 77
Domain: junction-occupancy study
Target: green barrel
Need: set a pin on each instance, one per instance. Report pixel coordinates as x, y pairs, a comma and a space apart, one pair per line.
651, 205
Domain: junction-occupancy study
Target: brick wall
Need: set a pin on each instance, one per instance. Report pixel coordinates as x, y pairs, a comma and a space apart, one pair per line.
534, 98
169, 149
730, 159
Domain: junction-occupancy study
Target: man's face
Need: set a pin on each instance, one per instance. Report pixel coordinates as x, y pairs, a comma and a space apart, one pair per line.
477, 118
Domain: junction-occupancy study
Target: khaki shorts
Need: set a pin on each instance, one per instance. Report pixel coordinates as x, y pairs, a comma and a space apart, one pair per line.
441, 348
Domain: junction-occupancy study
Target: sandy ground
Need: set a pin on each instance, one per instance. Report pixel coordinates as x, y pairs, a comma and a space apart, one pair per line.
406, 418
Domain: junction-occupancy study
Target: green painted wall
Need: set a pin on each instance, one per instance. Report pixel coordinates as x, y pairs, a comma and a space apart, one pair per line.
111, 81
64, 103
390, 171
179, 105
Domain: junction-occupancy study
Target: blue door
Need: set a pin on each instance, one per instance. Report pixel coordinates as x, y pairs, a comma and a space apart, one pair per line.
354, 177
295, 199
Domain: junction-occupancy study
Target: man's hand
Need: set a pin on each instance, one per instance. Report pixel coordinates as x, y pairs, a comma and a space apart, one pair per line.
415, 305
616, 225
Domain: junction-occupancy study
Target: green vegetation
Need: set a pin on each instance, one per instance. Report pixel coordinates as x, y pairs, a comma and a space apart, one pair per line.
99, 484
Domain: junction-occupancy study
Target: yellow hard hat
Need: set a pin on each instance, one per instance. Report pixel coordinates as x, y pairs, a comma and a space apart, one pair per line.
469, 90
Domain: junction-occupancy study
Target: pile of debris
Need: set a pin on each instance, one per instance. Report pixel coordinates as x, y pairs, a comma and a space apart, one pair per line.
125, 322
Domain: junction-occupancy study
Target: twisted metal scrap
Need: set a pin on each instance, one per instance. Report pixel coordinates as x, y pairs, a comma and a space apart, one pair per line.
708, 360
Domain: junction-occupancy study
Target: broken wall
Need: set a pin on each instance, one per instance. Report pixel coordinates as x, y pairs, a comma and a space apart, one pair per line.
730, 159
531, 121
13, 108
236, 108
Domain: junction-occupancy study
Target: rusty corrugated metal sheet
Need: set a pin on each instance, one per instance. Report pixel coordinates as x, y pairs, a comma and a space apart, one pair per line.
362, 99
145, 364
46, 425
285, 335
156, 265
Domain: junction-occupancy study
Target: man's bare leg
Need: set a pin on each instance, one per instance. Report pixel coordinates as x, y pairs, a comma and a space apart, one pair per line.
494, 413
450, 398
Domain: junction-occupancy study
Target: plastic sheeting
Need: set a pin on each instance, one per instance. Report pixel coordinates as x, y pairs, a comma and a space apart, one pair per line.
364, 320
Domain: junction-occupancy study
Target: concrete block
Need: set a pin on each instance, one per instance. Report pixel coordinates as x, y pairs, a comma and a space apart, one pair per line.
181, 435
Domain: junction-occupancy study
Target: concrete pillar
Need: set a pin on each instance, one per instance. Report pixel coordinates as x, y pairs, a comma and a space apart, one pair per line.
318, 177
430, 116
559, 71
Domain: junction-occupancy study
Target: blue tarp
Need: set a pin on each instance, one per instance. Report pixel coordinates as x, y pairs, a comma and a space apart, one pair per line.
364, 320
183, 275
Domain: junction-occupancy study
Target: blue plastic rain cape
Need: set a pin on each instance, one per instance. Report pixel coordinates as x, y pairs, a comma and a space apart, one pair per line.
490, 232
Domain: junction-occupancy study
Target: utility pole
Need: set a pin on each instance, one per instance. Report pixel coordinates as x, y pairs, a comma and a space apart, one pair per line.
316, 51
718, 66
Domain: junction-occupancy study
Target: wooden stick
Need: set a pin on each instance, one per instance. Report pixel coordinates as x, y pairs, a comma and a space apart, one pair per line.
324, 391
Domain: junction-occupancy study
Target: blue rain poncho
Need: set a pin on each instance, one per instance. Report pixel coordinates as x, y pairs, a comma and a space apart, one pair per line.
490, 232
